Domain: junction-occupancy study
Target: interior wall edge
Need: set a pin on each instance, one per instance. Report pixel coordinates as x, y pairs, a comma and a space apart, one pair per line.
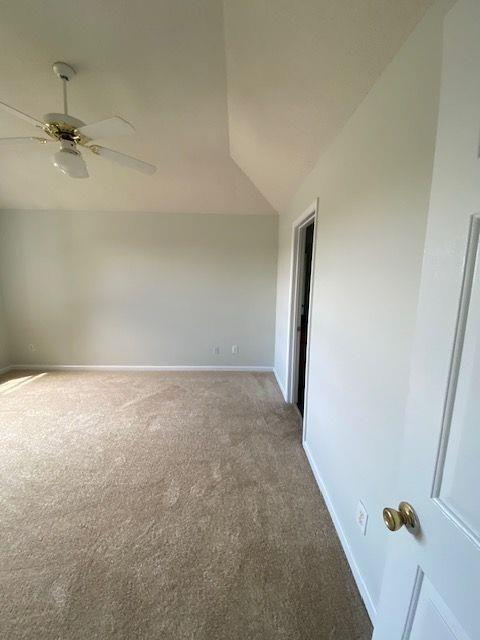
280, 384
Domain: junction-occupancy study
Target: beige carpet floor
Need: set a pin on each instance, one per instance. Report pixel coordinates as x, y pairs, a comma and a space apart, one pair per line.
163, 506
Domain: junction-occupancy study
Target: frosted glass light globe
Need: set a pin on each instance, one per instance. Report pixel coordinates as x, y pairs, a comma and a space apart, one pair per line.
69, 161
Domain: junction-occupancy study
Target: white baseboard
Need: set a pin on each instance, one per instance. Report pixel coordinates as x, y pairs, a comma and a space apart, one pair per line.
362, 587
81, 367
279, 382
5, 369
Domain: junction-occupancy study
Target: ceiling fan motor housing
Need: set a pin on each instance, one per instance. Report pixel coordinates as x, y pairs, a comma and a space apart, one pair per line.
67, 120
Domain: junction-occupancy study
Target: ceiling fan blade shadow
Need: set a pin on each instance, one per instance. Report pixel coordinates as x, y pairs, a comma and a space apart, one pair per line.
21, 115
123, 159
110, 127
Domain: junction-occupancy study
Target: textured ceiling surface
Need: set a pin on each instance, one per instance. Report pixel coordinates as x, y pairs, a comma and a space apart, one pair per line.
232, 101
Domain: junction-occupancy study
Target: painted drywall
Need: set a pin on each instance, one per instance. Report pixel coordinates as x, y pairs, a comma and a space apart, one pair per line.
86, 288
4, 351
373, 185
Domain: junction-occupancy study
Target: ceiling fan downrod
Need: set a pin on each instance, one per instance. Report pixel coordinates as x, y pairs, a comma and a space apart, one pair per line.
65, 72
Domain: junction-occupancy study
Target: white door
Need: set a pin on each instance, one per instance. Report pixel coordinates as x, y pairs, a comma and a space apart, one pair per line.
431, 585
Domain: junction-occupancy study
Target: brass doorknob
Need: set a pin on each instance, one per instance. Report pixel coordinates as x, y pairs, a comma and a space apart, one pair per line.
394, 520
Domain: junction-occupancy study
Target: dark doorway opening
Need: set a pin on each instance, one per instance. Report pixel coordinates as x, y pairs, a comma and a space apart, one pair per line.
302, 328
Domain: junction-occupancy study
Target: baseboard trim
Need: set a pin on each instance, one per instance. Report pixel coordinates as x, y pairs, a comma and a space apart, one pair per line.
362, 587
281, 387
82, 367
5, 369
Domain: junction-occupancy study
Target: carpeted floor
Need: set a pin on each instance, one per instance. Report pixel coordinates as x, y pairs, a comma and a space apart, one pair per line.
166, 506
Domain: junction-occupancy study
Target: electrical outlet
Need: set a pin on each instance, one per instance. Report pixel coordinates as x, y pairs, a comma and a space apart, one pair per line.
362, 517
235, 349
216, 351
32, 347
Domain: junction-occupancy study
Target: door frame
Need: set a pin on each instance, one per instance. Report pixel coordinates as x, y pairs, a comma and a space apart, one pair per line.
296, 280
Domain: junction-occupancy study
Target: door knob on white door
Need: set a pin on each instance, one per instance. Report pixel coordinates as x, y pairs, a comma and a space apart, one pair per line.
405, 515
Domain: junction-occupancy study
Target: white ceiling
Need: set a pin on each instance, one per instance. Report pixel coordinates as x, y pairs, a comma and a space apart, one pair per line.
296, 71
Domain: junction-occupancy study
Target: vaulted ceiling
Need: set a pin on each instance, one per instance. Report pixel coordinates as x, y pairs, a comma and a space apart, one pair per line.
232, 101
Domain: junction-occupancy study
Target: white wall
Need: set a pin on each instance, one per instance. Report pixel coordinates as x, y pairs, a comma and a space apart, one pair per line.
4, 351
373, 185
138, 288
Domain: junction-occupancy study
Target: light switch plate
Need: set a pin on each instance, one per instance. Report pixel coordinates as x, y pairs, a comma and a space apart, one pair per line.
362, 517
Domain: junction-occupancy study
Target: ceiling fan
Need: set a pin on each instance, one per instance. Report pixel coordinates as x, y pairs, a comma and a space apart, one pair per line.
72, 133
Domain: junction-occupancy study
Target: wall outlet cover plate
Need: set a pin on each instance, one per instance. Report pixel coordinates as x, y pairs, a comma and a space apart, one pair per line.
362, 517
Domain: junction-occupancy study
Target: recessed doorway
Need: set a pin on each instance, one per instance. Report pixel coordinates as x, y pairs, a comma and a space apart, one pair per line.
300, 311
302, 325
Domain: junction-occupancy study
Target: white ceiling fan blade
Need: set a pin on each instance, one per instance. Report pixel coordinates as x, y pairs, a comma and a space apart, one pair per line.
111, 127
121, 158
21, 115
24, 140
